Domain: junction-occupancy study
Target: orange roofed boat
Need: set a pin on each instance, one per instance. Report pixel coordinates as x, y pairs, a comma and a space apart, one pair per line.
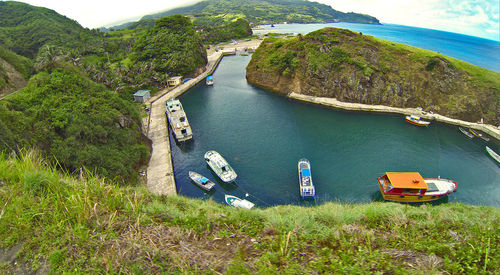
412, 187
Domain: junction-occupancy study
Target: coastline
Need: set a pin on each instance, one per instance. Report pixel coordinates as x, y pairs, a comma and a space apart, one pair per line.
490, 130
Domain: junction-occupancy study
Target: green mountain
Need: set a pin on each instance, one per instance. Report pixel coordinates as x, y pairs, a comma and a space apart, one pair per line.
267, 12
352, 67
25, 28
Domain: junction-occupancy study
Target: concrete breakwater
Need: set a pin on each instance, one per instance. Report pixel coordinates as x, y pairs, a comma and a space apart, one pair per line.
491, 130
160, 174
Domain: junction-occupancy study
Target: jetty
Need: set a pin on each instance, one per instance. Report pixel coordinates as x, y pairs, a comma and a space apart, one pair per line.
334, 103
160, 172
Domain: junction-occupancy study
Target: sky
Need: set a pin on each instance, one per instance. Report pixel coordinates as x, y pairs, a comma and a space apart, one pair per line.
472, 17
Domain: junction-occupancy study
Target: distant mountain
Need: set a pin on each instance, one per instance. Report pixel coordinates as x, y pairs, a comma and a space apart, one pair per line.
25, 28
269, 11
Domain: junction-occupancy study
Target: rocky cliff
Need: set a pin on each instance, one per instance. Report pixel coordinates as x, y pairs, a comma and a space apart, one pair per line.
353, 67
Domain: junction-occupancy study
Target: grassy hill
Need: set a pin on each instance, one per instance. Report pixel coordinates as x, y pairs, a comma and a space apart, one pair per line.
52, 222
267, 12
353, 67
14, 71
25, 28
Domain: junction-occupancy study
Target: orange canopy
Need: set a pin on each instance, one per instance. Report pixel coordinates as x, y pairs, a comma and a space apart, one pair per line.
407, 180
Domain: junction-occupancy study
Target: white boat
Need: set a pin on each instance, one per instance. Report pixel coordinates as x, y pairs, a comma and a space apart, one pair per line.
493, 154
178, 120
305, 179
415, 120
220, 166
201, 181
209, 80
237, 202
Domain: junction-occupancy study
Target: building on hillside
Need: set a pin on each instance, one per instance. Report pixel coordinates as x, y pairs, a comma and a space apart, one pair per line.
174, 81
142, 95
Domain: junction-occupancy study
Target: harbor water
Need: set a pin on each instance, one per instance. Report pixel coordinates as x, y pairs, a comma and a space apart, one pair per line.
263, 135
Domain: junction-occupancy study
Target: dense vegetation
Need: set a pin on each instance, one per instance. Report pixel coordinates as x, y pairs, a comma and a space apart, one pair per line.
24, 29
76, 122
68, 110
268, 12
171, 46
352, 67
54, 223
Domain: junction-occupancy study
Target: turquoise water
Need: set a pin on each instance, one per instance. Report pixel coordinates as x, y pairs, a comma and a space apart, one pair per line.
478, 51
263, 135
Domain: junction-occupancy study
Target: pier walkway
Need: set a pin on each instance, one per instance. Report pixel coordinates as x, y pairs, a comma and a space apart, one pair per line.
160, 172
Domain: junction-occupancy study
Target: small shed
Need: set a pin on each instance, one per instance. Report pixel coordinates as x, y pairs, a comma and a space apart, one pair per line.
141, 95
174, 81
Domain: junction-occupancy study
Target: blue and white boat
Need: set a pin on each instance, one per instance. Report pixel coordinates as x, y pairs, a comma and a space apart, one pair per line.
209, 80
201, 181
305, 179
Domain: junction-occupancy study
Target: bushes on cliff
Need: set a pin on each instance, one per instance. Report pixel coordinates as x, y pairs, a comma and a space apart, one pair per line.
75, 122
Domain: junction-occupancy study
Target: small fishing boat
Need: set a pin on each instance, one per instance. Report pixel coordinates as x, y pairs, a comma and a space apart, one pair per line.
177, 120
201, 181
415, 120
412, 187
220, 166
465, 132
209, 80
493, 154
237, 202
479, 135
305, 179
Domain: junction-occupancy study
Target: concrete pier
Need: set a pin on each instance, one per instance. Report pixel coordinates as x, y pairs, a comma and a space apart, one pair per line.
160, 172
334, 103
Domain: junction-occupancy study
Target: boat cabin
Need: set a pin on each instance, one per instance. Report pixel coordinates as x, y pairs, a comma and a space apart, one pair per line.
408, 183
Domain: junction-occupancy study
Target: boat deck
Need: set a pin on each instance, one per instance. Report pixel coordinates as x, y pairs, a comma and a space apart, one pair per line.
178, 120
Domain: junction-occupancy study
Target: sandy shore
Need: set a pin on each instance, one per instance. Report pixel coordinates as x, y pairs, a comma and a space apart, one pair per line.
491, 130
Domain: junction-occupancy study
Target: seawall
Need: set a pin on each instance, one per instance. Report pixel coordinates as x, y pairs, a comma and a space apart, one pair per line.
491, 130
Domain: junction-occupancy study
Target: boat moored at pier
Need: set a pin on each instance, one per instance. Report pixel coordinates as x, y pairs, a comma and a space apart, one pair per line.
465, 132
415, 120
479, 135
220, 166
412, 187
305, 179
209, 80
178, 120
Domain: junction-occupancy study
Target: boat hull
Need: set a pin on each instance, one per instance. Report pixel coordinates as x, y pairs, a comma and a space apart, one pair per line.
201, 181
416, 198
306, 185
492, 154
220, 166
237, 202
417, 122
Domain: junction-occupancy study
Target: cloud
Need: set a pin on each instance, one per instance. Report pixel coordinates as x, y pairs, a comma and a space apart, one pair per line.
471, 17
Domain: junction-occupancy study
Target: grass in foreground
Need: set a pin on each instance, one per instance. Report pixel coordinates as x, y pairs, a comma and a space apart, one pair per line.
88, 225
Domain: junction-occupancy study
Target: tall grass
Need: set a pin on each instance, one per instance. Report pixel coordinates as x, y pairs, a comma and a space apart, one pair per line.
86, 224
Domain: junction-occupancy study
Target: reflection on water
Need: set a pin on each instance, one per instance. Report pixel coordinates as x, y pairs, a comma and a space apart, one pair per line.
263, 135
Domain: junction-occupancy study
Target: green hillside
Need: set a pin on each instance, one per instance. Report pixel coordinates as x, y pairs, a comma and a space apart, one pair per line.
50, 222
353, 67
25, 28
268, 11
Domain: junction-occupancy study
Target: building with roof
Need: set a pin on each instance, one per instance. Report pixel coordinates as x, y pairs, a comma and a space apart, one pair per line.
142, 95
174, 81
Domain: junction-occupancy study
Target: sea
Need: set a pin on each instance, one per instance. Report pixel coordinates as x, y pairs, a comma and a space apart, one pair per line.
475, 50
263, 135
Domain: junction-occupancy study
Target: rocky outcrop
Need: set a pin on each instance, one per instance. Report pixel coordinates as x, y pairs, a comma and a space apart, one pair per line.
352, 67
10, 79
